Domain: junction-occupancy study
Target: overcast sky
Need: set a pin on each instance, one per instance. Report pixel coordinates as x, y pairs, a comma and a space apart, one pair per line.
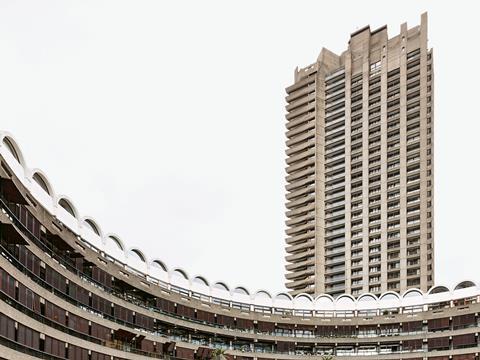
165, 120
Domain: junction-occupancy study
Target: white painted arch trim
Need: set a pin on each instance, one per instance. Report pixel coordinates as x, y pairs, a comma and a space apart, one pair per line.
156, 269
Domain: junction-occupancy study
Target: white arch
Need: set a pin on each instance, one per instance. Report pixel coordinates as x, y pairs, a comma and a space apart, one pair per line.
464, 285
66, 204
262, 293
91, 232
92, 225
242, 290
200, 280
438, 289
283, 296
389, 299
115, 247
138, 253
160, 264
367, 297
303, 302
262, 298
221, 286
283, 300
179, 278
115, 239
181, 272
241, 294
137, 260
39, 177
11, 145
13, 156
367, 301
413, 297
414, 292
41, 189
324, 302
159, 270
200, 285
345, 302
67, 213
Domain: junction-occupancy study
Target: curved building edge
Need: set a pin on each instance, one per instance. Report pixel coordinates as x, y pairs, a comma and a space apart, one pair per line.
69, 290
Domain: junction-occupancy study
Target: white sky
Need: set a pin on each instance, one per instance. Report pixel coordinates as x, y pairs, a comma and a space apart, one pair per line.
165, 120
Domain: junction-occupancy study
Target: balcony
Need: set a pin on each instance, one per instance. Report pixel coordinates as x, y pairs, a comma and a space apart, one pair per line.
335, 260
302, 218
300, 274
300, 174
300, 211
300, 111
308, 86
300, 165
310, 225
301, 201
299, 101
308, 244
300, 129
306, 189
334, 205
301, 138
300, 264
301, 255
293, 240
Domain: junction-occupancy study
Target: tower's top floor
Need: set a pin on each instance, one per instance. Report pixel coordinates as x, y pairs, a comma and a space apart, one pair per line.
369, 47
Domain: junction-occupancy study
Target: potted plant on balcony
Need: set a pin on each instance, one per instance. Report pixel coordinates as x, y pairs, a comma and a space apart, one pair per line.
218, 354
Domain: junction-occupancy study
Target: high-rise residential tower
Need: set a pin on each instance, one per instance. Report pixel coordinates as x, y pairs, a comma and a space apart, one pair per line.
360, 167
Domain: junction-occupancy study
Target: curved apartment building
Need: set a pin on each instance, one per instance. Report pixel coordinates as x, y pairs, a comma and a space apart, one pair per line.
69, 290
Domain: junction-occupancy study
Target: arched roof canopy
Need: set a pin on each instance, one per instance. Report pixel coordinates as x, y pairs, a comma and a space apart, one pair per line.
160, 265
389, 296
262, 298
263, 294
180, 272
67, 205
92, 225
200, 280
367, 302
413, 297
464, 285
438, 289
241, 294
14, 149
324, 302
410, 293
283, 296
116, 240
42, 181
139, 254
283, 300
366, 297
303, 302
241, 290
219, 285
345, 302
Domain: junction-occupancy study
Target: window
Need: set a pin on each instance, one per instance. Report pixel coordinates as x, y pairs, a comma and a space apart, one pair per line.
375, 68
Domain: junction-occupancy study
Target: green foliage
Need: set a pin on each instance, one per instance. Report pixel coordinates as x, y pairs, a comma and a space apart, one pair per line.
218, 354
327, 357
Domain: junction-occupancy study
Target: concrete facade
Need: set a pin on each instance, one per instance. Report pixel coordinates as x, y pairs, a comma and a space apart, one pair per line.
360, 167
66, 292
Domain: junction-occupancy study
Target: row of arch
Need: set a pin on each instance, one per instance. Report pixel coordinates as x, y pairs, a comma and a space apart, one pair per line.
86, 227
